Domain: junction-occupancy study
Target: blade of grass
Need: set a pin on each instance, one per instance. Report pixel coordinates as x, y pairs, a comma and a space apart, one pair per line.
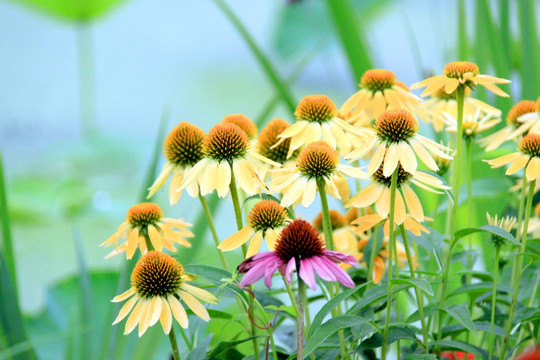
112, 336
462, 31
272, 74
7, 245
530, 74
11, 320
86, 338
504, 23
347, 28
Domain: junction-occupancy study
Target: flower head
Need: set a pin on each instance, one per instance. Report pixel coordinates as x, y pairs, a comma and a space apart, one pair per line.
462, 73
380, 260
396, 141
318, 162
517, 124
472, 124
342, 231
265, 220
527, 157
269, 137
378, 192
380, 91
369, 221
317, 119
299, 247
182, 149
243, 122
158, 282
144, 222
506, 223
227, 152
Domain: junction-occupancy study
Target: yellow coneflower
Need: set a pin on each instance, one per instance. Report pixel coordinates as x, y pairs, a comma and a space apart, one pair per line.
244, 123
380, 91
460, 73
527, 157
182, 149
317, 162
510, 131
317, 119
472, 124
530, 121
507, 223
342, 231
265, 220
442, 103
267, 142
380, 260
367, 222
145, 220
395, 140
158, 283
227, 152
378, 192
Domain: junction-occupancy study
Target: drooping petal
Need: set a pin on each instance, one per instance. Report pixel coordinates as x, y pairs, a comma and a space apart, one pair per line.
128, 306
155, 237
255, 244
237, 239
306, 273
178, 311
166, 317
195, 306
124, 295
291, 267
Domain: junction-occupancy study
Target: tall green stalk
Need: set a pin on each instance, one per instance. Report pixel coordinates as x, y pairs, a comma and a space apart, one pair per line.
391, 247
518, 267
7, 244
174, 344
269, 70
494, 300
460, 93
240, 225
419, 296
212, 227
300, 318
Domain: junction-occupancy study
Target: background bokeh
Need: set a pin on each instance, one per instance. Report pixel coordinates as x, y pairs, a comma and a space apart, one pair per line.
184, 61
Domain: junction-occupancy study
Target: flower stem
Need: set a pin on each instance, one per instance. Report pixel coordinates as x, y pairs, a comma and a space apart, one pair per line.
237, 208
392, 236
521, 208
174, 345
291, 295
519, 265
468, 146
327, 227
5, 231
374, 247
494, 300
212, 227
148, 242
300, 318
419, 297
460, 93
327, 224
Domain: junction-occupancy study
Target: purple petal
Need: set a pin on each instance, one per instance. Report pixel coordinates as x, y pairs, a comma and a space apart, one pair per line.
340, 274
291, 266
269, 272
306, 273
322, 270
338, 257
254, 260
259, 269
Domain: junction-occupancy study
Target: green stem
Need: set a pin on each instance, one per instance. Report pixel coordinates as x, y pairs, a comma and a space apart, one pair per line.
271, 73
521, 208
87, 88
269, 329
419, 297
212, 227
519, 265
149, 245
374, 247
327, 227
468, 146
460, 91
237, 208
7, 242
392, 240
494, 300
462, 31
291, 295
300, 318
174, 345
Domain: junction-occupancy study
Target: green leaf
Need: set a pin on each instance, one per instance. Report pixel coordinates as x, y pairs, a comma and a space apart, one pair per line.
395, 332
79, 10
11, 320
347, 28
330, 305
457, 345
490, 229
373, 295
530, 74
477, 289
329, 328
462, 315
147, 346
287, 309
223, 346
200, 351
454, 329
419, 283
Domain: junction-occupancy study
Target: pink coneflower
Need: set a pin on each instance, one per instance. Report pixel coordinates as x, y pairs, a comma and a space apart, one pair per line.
299, 247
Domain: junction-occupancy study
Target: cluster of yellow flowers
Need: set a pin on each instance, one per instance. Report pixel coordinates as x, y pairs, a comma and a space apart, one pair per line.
377, 126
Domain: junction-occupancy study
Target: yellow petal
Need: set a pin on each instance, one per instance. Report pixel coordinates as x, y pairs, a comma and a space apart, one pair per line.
310, 192
178, 311
195, 306
413, 203
223, 178
517, 165
237, 239
376, 159
155, 237
451, 85
200, 293
125, 309
271, 238
124, 295
174, 187
533, 169
390, 160
166, 317
134, 318
254, 244
407, 158
156, 306
133, 241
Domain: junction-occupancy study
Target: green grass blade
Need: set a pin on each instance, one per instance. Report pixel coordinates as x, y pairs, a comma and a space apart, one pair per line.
343, 17
263, 59
11, 320
85, 312
530, 73
7, 245
462, 31
504, 23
